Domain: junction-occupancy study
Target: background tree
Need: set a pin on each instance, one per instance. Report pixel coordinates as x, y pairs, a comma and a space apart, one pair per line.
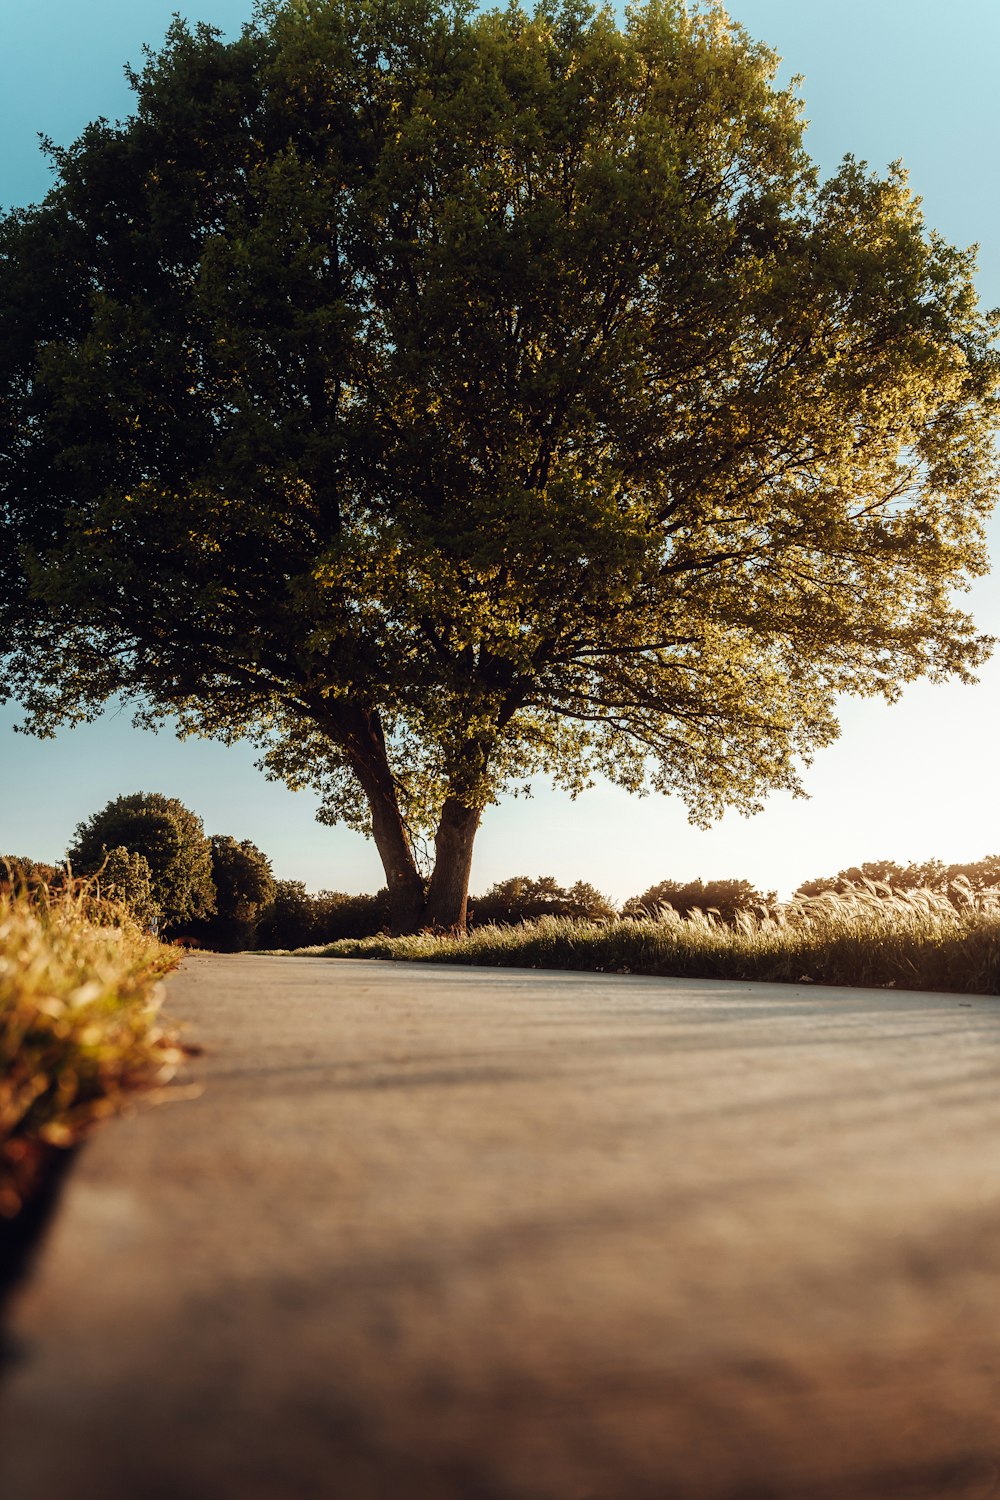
19, 873
879, 872
438, 398
981, 874
336, 915
727, 897
289, 919
297, 919
521, 899
169, 836
933, 874
244, 887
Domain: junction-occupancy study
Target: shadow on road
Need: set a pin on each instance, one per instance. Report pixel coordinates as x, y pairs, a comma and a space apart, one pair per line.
21, 1237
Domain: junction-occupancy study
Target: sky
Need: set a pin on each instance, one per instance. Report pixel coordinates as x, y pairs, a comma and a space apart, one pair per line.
882, 79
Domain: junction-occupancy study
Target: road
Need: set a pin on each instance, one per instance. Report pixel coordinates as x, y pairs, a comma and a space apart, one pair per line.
467, 1234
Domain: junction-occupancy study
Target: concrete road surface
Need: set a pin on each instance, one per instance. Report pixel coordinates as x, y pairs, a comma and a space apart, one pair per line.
457, 1234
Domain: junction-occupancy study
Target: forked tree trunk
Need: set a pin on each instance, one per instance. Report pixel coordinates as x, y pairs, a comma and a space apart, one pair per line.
445, 906
360, 733
448, 892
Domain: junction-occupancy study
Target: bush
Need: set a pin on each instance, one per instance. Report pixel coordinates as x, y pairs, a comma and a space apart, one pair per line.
19, 874
288, 920
340, 916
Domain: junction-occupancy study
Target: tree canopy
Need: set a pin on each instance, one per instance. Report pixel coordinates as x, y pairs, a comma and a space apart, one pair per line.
244, 881
171, 841
440, 397
522, 899
726, 897
244, 888
296, 918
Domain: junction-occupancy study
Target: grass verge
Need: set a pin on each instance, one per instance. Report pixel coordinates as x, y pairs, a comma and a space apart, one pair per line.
869, 936
79, 1027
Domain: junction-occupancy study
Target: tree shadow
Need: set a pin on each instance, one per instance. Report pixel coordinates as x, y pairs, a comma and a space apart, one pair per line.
21, 1237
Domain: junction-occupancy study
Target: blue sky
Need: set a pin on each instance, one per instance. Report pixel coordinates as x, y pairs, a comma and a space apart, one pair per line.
883, 79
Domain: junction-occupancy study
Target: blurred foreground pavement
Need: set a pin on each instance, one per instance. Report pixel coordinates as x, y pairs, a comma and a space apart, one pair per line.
457, 1234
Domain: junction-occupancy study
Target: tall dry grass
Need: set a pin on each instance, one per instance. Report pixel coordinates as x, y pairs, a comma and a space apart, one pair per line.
79, 1024
867, 936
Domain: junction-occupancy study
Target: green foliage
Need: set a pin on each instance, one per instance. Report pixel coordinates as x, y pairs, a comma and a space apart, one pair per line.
169, 836
244, 888
521, 899
296, 919
288, 920
888, 877
723, 897
127, 879
20, 874
338, 915
244, 881
915, 940
441, 397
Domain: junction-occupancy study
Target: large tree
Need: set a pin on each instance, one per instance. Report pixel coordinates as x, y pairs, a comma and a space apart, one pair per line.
440, 397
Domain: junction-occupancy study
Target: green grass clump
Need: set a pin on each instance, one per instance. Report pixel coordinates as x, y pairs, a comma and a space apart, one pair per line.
79, 1030
867, 936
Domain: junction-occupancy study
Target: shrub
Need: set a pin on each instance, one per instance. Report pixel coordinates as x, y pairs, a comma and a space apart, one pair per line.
339, 916
288, 920
18, 873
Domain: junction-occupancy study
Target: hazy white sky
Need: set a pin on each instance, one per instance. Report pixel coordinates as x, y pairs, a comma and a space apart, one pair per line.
883, 79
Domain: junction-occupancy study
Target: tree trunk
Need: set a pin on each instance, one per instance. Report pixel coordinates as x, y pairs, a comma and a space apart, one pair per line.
445, 907
360, 732
448, 894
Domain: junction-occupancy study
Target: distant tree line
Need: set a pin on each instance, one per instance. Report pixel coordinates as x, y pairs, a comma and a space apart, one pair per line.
152, 853
934, 875
724, 898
